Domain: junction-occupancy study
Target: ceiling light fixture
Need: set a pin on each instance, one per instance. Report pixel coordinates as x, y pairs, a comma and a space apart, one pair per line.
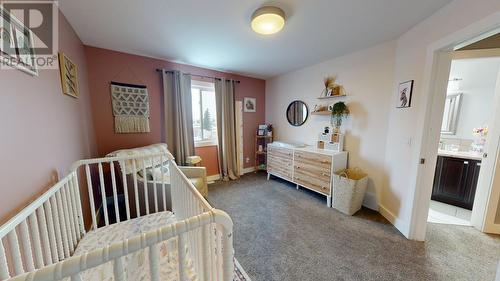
268, 20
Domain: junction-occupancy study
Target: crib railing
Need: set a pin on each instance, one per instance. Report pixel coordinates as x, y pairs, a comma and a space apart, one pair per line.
45, 232
129, 166
74, 266
53, 225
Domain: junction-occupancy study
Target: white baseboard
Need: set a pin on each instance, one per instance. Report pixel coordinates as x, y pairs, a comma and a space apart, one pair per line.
248, 170
400, 224
213, 178
371, 201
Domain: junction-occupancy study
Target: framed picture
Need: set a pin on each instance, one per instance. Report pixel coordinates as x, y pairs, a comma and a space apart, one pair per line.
69, 79
405, 91
16, 44
261, 132
249, 104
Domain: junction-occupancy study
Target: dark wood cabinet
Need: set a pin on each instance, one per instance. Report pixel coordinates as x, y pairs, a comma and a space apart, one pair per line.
455, 181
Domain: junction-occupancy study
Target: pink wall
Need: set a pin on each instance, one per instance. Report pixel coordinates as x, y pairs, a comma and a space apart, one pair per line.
210, 158
106, 66
43, 131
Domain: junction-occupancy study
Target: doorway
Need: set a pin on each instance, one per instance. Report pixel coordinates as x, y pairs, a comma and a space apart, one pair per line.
467, 112
485, 214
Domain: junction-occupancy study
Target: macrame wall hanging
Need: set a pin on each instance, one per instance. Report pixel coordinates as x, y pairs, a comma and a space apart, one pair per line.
130, 108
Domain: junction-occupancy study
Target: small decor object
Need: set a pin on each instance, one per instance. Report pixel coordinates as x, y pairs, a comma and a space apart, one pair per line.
130, 108
249, 104
261, 132
480, 140
69, 78
331, 141
339, 112
332, 89
405, 92
16, 44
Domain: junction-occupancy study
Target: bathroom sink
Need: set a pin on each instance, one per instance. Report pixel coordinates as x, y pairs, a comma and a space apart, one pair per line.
288, 144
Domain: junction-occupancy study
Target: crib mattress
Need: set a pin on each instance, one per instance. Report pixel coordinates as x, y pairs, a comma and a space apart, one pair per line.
136, 265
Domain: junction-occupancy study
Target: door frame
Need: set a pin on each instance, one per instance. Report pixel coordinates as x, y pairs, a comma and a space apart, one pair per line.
437, 70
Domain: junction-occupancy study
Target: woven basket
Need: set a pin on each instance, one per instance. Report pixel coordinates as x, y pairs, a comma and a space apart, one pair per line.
349, 188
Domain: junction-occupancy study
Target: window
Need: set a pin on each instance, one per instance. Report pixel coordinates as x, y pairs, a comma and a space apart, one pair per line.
204, 113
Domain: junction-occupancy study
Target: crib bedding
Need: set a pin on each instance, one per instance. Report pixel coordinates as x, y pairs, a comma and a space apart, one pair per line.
136, 265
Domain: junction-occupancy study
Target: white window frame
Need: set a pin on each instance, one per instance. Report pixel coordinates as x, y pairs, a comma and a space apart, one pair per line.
203, 86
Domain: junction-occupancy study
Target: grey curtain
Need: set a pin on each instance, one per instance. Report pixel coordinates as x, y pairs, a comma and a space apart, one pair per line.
178, 117
226, 129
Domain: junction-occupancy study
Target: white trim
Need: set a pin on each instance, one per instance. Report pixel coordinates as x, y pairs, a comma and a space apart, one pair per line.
213, 178
400, 224
421, 186
248, 170
205, 143
370, 201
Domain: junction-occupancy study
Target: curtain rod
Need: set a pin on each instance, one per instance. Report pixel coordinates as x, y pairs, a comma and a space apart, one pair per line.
202, 76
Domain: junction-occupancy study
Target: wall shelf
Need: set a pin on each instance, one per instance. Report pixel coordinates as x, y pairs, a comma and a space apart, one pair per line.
332, 97
321, 113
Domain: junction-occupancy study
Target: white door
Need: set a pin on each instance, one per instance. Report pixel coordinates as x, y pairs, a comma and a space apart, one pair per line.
486, 209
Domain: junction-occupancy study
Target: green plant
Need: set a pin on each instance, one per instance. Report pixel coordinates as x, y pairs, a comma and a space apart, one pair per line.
339, 112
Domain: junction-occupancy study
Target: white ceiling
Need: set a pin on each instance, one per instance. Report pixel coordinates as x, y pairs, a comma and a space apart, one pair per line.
216, 34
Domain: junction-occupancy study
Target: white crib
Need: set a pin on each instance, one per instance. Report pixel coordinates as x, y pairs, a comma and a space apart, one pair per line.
39, 242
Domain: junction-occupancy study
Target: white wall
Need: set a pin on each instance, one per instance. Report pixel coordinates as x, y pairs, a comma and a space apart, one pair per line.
406, 126
371, 79
367, 77
479, 77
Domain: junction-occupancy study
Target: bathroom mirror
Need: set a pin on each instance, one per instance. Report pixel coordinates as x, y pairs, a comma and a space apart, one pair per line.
297, 113
450, 116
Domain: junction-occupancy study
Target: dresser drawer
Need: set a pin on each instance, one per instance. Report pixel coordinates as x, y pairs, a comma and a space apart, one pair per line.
283, 153
313, 171
279, 168
316, 168
316, 184
313, 159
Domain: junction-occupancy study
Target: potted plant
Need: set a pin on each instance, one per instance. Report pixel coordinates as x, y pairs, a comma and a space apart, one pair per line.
339, 112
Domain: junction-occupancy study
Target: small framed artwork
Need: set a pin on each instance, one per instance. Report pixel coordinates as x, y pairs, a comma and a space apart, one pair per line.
405, 91
261, 132
69, 79
16, 44
249, 104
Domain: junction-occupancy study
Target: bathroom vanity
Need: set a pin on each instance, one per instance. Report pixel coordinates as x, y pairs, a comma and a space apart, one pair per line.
306, 166
456, 176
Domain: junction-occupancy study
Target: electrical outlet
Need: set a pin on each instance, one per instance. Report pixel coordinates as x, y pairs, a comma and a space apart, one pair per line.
247, 160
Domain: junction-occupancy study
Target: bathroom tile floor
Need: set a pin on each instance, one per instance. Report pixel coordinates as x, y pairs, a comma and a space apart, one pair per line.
448, 214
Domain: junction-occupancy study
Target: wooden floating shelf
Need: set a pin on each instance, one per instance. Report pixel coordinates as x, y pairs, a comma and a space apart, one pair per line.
332, 97
321, 113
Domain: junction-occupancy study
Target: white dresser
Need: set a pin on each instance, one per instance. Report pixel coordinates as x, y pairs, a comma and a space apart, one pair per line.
308, 166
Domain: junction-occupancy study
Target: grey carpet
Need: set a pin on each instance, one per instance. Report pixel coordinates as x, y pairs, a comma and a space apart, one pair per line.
285, 234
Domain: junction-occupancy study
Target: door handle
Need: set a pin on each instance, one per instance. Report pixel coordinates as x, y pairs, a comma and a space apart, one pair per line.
466, 162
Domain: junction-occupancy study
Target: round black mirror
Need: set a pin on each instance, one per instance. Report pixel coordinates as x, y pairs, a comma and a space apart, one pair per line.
297, 113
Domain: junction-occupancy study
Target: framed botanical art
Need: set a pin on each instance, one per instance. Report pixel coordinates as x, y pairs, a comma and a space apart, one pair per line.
405, 91
249, 104
16, 44
69, 79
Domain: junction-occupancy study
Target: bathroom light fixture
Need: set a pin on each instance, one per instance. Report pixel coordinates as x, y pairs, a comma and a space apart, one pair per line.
268, 20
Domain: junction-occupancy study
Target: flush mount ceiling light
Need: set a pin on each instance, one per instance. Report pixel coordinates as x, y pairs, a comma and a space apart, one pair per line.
268, 20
